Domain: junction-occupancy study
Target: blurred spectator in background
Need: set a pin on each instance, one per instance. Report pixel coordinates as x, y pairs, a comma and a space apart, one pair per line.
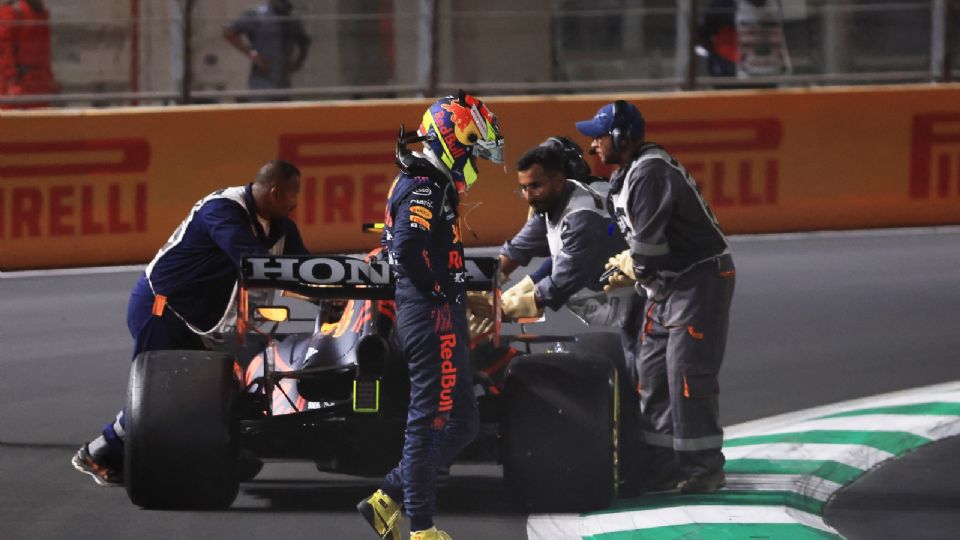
744, 38
718, 36
24, 51
274, 41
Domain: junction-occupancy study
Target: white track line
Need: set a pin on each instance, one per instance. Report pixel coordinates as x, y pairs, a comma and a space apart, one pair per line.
94, 270
855, 233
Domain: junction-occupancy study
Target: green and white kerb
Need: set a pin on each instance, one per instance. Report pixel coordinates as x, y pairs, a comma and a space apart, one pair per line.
781, 471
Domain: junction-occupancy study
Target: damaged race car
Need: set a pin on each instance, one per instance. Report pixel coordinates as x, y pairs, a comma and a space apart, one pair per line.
200, 422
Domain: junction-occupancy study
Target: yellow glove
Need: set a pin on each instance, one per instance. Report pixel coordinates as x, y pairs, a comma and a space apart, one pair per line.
479, 304
524, 286
480, 318
624, 262
478, 326
617, 281
519, 306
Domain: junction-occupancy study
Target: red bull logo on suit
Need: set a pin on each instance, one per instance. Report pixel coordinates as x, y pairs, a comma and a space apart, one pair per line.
448, 370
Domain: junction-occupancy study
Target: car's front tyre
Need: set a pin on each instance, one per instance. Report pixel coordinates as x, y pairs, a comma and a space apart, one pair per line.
560, 432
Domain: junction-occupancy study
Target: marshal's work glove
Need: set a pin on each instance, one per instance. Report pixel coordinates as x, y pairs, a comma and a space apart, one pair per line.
624, 262
618, 281
625, 276
519, 306
524, 286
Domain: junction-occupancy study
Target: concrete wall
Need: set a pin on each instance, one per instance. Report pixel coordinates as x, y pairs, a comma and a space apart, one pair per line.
91, 44
493, 42
375, 42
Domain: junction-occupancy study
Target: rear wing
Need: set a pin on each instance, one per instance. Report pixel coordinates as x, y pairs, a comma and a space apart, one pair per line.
338, 276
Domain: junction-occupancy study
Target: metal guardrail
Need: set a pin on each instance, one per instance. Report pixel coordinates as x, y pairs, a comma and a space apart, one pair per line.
171, 97
495, 88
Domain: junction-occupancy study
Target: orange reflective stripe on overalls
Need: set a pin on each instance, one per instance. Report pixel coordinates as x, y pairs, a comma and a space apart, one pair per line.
648, 326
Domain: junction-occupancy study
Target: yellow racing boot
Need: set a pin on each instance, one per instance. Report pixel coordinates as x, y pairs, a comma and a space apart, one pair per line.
430, 534
383, 514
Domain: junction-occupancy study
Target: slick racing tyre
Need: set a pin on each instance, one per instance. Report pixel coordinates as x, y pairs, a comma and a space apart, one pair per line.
609, 346
560, 432
180, 451
605, 344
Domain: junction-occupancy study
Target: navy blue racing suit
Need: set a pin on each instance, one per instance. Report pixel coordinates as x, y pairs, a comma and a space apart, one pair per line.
196, 272
422, 239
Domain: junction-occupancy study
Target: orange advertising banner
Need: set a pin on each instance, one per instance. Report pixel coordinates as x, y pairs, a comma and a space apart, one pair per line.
101, 187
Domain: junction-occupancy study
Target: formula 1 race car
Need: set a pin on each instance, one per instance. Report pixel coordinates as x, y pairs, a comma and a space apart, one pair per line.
199, 422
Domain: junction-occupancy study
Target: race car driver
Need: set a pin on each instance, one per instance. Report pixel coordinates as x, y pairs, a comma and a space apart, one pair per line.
422, 238
679, 258
186, 295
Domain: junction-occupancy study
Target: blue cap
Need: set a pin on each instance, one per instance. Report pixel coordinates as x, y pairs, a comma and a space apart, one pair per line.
601, 124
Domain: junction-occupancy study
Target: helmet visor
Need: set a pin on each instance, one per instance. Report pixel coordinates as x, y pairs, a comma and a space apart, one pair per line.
491, 150
489, 143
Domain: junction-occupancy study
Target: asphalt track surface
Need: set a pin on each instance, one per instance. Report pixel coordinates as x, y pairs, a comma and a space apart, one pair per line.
816, 319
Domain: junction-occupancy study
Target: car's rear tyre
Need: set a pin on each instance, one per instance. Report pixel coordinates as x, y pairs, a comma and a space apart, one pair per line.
180, 451
248, 466
606, 344
560, 432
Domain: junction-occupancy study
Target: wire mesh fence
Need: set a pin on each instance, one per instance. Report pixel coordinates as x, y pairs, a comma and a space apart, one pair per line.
142, 52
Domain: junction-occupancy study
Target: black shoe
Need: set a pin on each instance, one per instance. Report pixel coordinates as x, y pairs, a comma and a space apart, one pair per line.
703, 483
650, 478
665, 479
102, 472
667, 483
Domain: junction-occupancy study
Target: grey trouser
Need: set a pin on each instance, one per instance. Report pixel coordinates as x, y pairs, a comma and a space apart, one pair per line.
682, 345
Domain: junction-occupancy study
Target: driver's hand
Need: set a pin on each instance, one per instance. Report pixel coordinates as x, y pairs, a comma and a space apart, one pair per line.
480, 304
478, 326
